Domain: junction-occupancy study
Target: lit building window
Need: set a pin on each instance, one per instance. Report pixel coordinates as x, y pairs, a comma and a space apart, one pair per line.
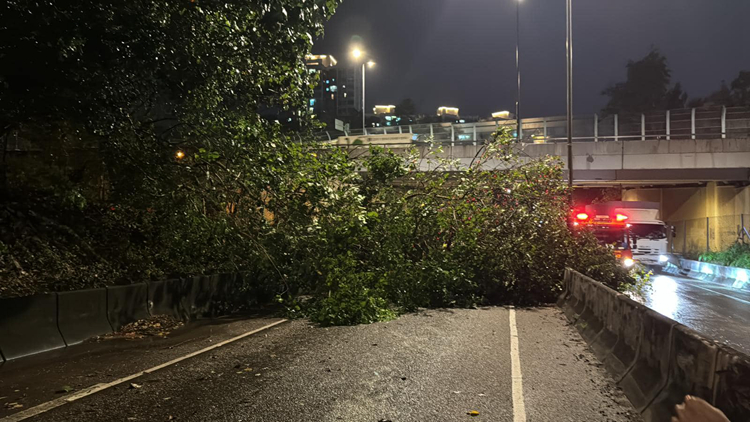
331, 96
345, 95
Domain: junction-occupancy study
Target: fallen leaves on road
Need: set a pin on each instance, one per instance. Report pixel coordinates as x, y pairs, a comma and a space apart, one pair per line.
155, 326
13, 406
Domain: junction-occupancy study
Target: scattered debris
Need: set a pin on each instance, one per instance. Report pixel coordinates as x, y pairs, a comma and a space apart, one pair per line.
473, 413
13, 406
65, 389
155, 326
134, 386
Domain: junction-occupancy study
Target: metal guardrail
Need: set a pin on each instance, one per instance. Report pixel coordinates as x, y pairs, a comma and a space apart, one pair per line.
694, 123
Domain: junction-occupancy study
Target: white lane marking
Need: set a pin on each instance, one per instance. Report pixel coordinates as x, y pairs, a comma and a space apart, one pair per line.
722, 294
44, 407
519, 408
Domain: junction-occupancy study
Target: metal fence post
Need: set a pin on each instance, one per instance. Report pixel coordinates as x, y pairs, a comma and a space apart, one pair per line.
399, 129
329, 135
742, 222
520, 131
692, 123
410, 129
723, 122
643, 127
432, 132
475, 133
708, 237
596, 128
453, 135
617, 127
364, 131
545, 129
385, 132
668, 125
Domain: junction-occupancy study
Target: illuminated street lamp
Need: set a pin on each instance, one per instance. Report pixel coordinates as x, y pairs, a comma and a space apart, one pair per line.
358, 55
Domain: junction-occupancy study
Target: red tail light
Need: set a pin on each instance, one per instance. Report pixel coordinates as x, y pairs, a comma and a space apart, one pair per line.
621, 217
582, 216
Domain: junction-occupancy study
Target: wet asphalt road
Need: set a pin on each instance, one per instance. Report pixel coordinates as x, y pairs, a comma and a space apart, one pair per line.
431, 366
718, 312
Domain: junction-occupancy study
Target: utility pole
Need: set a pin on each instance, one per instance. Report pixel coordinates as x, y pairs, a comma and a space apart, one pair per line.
569, 55
518, 70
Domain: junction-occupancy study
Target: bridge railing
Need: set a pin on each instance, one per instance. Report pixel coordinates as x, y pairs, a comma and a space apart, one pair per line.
692, 123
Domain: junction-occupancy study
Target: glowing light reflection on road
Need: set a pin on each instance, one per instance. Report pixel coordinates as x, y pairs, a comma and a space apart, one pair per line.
663, 298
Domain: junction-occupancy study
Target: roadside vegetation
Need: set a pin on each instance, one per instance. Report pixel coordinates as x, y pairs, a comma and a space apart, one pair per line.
738, 255
145, 151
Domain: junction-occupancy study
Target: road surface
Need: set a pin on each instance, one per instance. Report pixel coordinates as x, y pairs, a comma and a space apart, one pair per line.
431, 366
718, 312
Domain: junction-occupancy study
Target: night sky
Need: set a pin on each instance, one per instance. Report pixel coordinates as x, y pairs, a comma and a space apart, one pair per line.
461, 52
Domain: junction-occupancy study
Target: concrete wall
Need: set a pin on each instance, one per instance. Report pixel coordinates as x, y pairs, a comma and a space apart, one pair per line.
704, 217
617, 161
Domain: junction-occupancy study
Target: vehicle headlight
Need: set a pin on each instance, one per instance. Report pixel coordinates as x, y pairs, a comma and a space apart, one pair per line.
663, 258
627, 262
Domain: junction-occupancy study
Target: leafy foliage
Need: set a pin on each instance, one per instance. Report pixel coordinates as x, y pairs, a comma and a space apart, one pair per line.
646, 88
738, 255
148, 159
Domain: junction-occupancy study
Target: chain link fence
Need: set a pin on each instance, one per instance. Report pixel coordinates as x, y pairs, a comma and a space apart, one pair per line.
696, 236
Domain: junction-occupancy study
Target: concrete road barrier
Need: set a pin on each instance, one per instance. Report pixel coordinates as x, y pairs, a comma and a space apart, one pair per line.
655, 360
731, 392
199, 292
691, 371
628, 326
28, 325
609, 308
563, 297
165, 298
82, 314
576, 302
649, 374
591, 321
126, 304
738, 278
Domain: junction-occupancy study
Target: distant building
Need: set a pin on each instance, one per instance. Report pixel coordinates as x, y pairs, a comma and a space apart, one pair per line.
502, 115
382, 110
447, 112
338, 94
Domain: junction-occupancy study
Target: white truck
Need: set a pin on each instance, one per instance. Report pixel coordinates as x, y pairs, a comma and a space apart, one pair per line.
648, 235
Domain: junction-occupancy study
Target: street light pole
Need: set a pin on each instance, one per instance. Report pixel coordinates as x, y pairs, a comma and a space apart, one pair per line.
363, 99
518, 70
569, 65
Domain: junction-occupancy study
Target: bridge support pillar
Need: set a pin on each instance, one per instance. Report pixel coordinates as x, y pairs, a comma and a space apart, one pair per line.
668, 126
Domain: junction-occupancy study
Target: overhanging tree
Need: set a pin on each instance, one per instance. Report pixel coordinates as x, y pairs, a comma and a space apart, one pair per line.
646, 88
